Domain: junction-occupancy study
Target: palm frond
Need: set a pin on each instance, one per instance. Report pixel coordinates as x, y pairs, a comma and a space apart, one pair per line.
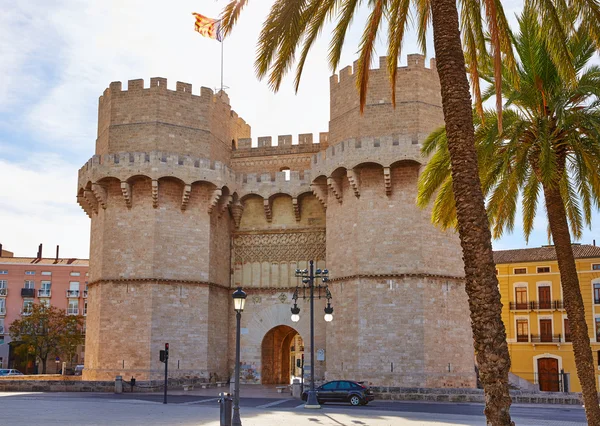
367, 46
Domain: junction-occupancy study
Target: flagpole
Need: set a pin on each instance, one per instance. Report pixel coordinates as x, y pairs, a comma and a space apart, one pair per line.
222, 43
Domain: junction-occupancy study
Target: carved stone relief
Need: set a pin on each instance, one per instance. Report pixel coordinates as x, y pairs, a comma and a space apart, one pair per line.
279, 247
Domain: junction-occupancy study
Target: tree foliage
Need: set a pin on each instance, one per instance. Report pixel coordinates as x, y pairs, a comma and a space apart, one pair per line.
48, 331
551, 137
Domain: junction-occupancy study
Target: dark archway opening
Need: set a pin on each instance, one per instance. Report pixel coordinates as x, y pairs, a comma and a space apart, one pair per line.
281, 347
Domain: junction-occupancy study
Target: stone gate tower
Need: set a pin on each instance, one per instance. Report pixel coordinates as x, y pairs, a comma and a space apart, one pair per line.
156, 191
185, 208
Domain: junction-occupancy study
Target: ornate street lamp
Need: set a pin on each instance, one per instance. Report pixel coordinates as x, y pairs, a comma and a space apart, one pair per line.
239, 301
308, 281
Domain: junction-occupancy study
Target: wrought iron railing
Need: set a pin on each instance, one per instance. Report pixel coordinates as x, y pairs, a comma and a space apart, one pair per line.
546, 338
72, 293
520, 306
44, 292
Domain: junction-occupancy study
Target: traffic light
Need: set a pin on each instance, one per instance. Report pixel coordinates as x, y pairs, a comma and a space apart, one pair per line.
166, 351
162, 356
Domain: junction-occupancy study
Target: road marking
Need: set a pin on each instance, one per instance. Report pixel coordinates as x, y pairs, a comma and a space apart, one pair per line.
199, 402
272, 404
300, 406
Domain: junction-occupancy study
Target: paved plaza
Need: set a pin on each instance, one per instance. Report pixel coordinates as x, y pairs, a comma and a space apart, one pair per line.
266, 409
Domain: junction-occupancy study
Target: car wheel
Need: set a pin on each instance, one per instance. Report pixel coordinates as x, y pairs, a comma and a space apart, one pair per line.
320, 402
304, 397
355, 400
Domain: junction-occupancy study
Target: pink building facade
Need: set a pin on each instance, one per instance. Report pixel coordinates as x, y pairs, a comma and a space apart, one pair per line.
25, 281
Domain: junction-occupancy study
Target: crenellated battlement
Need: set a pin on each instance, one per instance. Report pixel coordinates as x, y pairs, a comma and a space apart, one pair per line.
156, 118
159, 83
265, 147
415, 61
350, 153
417, 109
267, 185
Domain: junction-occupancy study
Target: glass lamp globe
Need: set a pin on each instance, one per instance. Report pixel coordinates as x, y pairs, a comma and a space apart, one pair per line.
295, 317
328, 317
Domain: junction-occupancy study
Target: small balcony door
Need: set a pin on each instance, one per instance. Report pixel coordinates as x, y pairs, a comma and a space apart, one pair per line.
544, 297
545, 330
521, 298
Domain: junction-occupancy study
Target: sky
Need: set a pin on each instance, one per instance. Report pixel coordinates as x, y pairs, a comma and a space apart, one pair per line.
58, 56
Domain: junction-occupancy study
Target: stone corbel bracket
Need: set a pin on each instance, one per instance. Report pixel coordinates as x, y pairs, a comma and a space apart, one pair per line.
100, 194
320, 192
387, 180
237, 209
296, 205
268, 211
353, 181
185, 197
90, 198
84, 205
154, 193
225, 202
126, 191
335, 188
214, 199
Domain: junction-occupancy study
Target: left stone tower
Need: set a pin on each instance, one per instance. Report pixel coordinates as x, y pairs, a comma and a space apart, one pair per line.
158, 192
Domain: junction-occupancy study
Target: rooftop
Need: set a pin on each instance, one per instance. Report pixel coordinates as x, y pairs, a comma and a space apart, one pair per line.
544, 253
45, 261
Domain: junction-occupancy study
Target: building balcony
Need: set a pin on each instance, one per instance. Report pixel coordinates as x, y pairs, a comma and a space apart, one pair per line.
72, 311
1, 329
27, 311
546, 338
42, 292
567, 338
544, 305
72, 293
596, 301
559, 305
28, 292
85, 292
520, 306
2, 311
3, 292
523, 338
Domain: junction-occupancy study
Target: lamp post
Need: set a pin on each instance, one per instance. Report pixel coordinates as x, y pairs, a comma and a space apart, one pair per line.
308, 281
239, 300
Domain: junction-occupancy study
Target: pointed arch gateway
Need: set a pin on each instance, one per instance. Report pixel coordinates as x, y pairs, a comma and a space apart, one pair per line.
280, 348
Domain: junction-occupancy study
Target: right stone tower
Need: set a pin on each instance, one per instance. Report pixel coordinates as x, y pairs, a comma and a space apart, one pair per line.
401, 312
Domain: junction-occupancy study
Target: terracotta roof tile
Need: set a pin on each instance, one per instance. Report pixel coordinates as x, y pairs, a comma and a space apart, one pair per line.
538, 254
45, 261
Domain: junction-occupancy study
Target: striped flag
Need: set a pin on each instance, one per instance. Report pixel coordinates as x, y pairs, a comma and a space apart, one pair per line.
208, 27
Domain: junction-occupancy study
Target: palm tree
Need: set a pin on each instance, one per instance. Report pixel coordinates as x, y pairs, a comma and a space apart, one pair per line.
550, 141
298, 23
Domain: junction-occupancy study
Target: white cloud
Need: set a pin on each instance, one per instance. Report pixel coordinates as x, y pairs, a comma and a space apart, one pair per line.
39, 206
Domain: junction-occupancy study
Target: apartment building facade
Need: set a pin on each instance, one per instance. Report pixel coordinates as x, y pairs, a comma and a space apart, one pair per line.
59, 282
536, 321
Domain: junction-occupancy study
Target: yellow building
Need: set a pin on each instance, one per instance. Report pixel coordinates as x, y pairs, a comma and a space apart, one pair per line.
536, 322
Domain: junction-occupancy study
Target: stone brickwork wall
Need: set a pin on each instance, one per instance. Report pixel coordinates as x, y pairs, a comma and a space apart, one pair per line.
184, 209
408, 331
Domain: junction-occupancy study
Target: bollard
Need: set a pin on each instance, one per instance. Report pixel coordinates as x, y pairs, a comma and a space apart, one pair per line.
119, 384
225, 405
132, 383
297, 389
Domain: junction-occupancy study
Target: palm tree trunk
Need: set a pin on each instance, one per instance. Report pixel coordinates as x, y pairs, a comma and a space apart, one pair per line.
584, 360
473, 226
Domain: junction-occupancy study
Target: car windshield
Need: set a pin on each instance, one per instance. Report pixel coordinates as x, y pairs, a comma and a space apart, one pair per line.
3, 372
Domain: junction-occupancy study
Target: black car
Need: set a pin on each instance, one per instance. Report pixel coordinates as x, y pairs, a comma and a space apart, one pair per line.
355, 393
